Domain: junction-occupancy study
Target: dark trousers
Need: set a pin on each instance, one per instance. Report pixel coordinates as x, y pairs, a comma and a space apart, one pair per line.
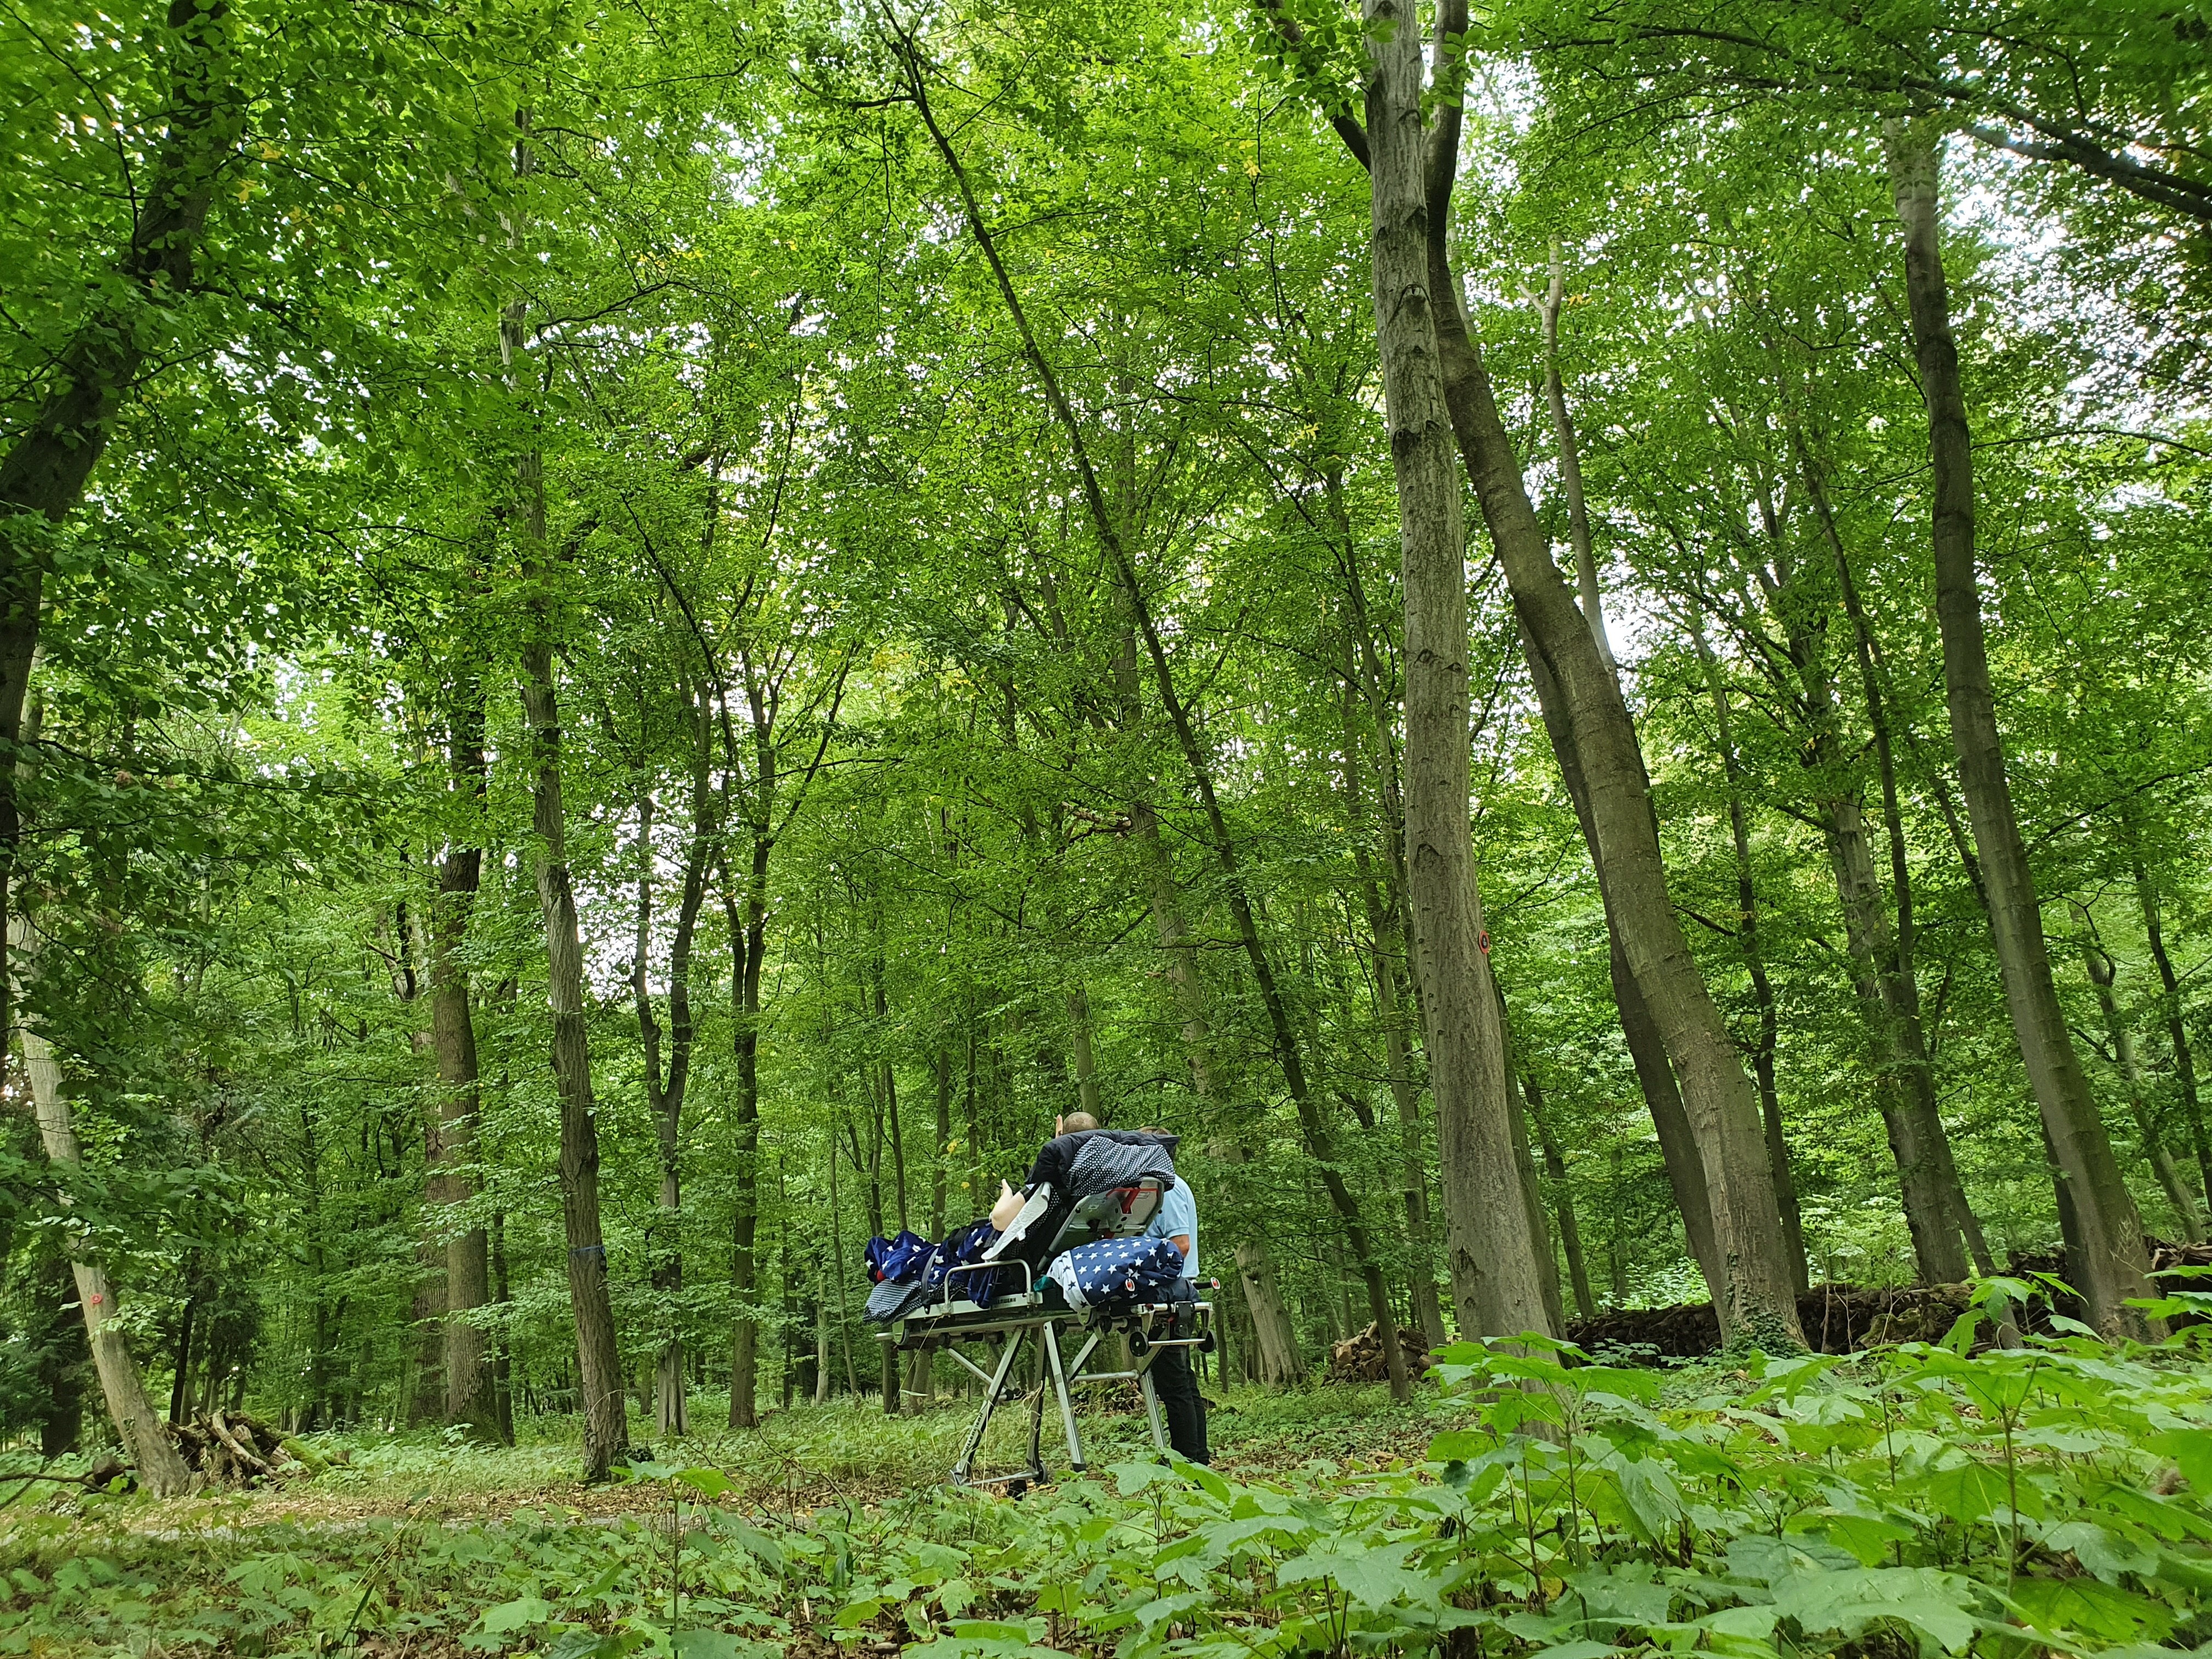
1181, 1402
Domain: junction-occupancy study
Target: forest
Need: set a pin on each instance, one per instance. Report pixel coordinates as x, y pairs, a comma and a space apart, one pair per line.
639, 637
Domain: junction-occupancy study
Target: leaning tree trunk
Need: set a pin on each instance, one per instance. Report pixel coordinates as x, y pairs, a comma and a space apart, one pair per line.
45, 469
471, 1385
1756, 1300
1647, 1051
1312, 1125
598, 1362
1888, 979
1274, 1336
161, 1471
2112, 1267
2101, 969
2177, 1034
1492, 1253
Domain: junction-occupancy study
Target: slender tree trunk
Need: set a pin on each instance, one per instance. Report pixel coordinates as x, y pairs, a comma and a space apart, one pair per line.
748, 922
1563, 1199
1762, 988
666, 1095
470, 1391
1275, 1337
44, 470
891, 1118
1647, 1051
2101, 969
1313, 1126
1086, 1062
938, 1179
1494, 1257
137, 1422
1889, 985
1389, 1003
1571, 461
2177, 1034
1531, 1188
2112, 1267
598, 1362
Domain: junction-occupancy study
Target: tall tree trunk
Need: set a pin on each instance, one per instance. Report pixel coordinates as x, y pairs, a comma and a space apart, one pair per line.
1756, 1301
2177, 1033
1274, 1336
2113, 1267
1889, 986
471, 1388
2101, 968
137, 1422
1563, 1199
1496, 1271
45, 469
606, 1424
1738, 1238
1647, 1050
747, 915
1762, 988
598, 1362
1086, 1061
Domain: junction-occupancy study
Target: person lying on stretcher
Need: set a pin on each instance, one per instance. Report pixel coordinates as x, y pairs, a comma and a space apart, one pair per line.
1081, 1159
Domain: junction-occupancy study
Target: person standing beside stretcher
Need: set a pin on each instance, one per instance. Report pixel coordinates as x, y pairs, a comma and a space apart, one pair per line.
1177, 1221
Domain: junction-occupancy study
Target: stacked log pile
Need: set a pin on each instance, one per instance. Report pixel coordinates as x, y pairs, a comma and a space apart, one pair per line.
238, 1449
1358, 1358
1845, 1318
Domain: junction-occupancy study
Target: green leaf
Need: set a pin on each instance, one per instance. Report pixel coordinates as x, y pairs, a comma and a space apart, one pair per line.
2105, 1554
1932, 1602
707, 1483
518, 1614
2088, 1606
1373, 1577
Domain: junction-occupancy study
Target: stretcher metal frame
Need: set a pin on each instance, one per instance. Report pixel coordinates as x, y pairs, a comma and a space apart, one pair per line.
1032, 1314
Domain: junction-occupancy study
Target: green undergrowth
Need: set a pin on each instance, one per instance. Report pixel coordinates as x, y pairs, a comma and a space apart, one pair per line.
1920, 1500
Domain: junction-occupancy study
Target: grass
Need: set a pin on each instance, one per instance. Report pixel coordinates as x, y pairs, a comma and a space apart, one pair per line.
2026, 1504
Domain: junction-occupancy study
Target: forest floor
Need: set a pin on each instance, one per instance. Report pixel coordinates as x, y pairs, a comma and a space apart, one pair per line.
2054, 1501
847, 1452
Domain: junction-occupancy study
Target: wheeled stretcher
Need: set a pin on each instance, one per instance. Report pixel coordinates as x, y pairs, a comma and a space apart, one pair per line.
1034, 1311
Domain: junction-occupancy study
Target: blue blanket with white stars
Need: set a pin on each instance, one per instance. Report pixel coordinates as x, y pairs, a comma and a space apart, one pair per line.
1117, 1272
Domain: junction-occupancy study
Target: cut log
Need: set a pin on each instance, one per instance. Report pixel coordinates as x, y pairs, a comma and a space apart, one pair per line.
1361, 1358
223, 1432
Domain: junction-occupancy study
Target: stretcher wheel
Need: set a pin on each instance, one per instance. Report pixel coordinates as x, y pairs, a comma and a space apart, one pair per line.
1206, 1344
1140, 1343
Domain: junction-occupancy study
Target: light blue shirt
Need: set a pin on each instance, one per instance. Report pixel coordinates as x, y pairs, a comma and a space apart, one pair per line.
1178, 1216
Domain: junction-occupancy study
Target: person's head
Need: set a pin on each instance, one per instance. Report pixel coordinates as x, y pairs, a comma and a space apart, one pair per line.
1074, 1123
